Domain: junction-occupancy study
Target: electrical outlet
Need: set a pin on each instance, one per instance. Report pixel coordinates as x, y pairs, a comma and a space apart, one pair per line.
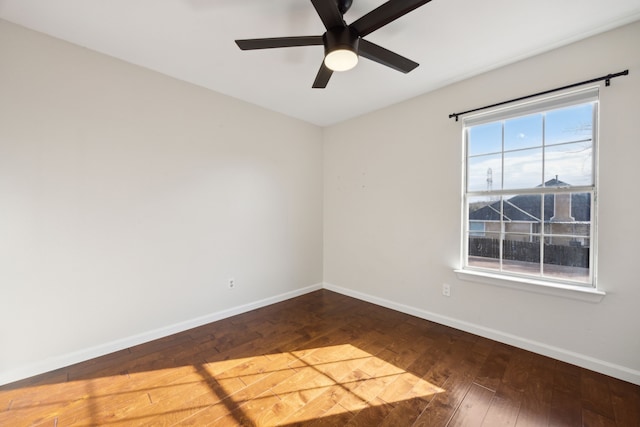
232, 283
446, 290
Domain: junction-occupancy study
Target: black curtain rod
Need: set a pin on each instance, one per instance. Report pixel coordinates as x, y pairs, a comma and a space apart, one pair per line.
606, 78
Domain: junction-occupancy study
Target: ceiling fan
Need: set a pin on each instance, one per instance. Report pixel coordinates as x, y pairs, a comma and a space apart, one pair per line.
344, 43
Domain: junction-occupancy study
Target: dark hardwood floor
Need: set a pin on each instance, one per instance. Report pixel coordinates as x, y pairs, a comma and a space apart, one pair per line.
322, 359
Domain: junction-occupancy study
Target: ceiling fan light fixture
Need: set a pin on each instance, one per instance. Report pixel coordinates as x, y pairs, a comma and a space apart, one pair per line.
341, 49
341, 59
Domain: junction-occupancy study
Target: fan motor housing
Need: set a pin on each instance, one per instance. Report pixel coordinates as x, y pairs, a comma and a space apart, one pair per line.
340, 38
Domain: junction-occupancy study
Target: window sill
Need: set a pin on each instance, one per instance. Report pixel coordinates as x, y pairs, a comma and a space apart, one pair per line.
537, 286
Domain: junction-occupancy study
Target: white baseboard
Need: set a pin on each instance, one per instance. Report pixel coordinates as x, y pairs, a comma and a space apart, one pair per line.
587, 362
120, 344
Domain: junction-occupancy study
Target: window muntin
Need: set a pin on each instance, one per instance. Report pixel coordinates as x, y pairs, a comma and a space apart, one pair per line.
530, 188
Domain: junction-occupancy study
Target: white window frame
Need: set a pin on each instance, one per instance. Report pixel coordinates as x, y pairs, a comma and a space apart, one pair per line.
566, 288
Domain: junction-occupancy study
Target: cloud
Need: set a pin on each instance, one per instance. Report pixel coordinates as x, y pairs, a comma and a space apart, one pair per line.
525, 169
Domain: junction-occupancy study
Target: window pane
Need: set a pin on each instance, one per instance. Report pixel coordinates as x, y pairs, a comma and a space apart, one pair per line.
523, 132
520, 255
568, 212
576, 274
522, 211
484, 251
476, 228
523, 169
567, 244
484, 173
484, 139
564, 260
569, 124
571, 163
484, 210
581, 209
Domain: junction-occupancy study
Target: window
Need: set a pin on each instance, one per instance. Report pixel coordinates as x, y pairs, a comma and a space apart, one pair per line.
530, 190
476, 228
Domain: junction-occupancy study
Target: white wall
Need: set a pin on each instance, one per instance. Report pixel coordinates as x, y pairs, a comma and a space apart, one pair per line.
127, 200
392, 211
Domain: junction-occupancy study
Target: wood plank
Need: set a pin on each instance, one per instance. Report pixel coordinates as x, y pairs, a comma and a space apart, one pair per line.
491, 373
535, 405
337, 416
442, 407
505, 407
373, 415
566, 410
625, 398
406, 412
318, 407
503, 410
593, 419
595, 393
473, 407
516, 375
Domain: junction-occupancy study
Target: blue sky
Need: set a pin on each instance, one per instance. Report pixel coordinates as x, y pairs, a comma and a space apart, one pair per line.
568, 150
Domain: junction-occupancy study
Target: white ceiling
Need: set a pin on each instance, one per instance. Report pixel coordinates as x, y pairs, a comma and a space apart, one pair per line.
193, 40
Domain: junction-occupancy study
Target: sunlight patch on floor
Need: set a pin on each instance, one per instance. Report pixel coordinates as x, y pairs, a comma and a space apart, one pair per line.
297, 386
269, 389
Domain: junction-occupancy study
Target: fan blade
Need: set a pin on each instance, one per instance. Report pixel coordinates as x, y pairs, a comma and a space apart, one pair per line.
329, 13
324, 74
385, 57
269, 43
381, 16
